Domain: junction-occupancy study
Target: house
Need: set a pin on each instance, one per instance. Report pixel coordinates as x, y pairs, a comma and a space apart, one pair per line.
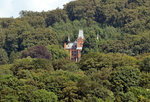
75, 48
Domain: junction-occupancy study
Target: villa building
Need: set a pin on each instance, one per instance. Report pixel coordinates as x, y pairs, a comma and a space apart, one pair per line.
75, 48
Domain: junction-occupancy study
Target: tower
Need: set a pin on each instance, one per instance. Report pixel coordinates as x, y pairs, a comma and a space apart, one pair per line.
97, 37
80, 41
68, 38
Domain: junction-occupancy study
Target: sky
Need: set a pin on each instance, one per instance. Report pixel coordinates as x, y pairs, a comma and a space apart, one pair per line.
11, 8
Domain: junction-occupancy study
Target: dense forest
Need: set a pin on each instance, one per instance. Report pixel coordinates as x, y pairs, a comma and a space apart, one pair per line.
115, 63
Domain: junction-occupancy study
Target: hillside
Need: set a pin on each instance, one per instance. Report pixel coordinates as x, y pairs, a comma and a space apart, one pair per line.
34, 67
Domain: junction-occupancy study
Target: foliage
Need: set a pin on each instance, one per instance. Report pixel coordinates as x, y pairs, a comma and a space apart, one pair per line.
145, 80
142, 94
13, 56
80, 10
145, 64
56, 16
3, 56
111, 60
21, 66
44, 96
115, 57
57, 52
31, 79
91, 43
39, 36
72, 66
60, 63
127, 97
125, 77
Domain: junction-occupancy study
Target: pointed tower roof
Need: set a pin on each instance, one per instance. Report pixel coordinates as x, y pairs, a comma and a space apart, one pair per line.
68, 38
97, 37
81, 34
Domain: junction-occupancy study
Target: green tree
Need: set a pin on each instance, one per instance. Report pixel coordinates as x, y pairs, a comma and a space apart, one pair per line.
142, 94
145, 64
111, 60
39, 36
92, 99
34, 21
21, 67
13, 56
43, 96
125, 77
127, 97
145, 80
2, 38
57, 52
60, 64
56, 16
84, 9
72, 67
70, 92
91, 43
3, 56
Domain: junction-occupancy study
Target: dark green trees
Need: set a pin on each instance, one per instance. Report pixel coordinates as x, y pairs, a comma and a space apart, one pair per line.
91, 43
122, 26
145, 64
44, 96
105, 73
111, 60
3, 57
38, 51
124, 78
97, 77
57, 52
39, 36
84, 9
56, 16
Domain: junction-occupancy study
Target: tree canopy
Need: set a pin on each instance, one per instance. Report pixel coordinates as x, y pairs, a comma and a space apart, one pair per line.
115, 62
